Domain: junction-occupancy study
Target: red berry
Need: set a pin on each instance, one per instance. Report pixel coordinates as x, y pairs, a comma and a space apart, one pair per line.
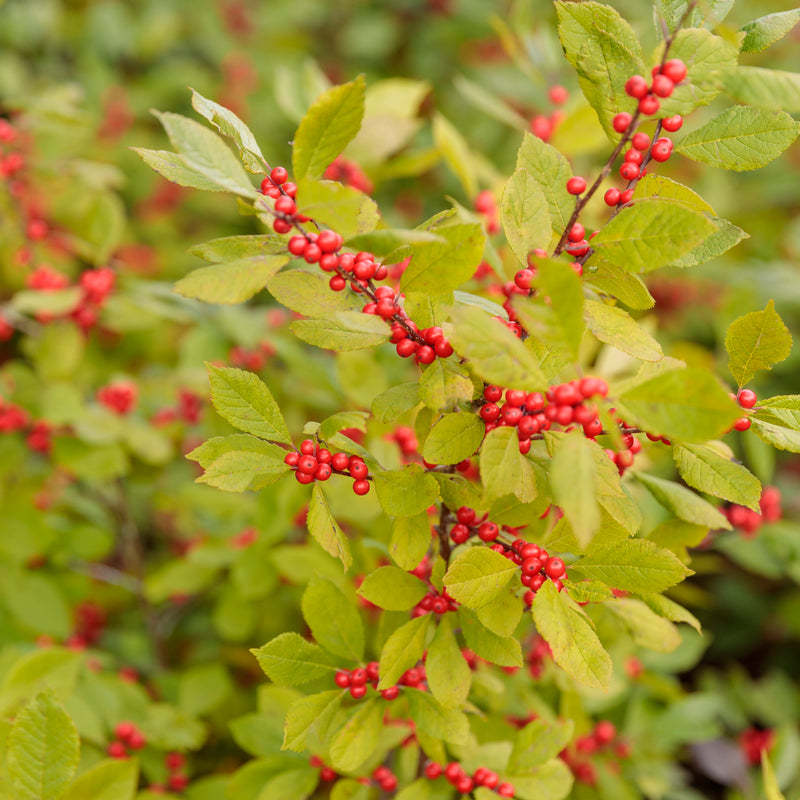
531, 565
327, 774
605, 732
747, 398
174, 761
555, 568
672, 124
357, 692
285, 205
511, 414
307, 464
358, 469
124, 730
629, 171
465, 784
641, 141
489, 412
391, 693
558, 95
117, 750
279, 175
443, 348
465, 515
611, 197
177, 782
304, 478
323, 472
626, 197
406, 347
524, 279
329, 241
492, 393
433, 771
662, 86
342, 679
742, 424
340, 461
636, 86
488, 531
576, 185
649, 104
312, 253
505, 789
137, 740
426, 355
361, 487
661, 151
675, 70
440, 605
634, 157
622, 122
297, 245
307, 447
337, 283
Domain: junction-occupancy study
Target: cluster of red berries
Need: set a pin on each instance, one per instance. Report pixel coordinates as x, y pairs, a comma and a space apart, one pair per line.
13, 161
486, 205
602, 739
349, 173
537, 655
523, 280
425, 345
468, 525
631, 446
315, 463
90, 622
664, 79
127, 737
405, 438
327, 774
464, 783
749, 521
746, 399
753, 742
532, 412
188, 409
177, 780
253, 358
435, 603
543, 125
536, 566
15, 418
385, 778
244, 538
360, 679
119, 396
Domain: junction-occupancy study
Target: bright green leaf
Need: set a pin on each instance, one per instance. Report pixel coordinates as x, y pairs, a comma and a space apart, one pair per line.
356, 741
765, 31
405, 492
393, 589
346, 330
525, 214
411, 538
107, 780
324, 528
403, 649
756, 341
448, 674
683, 502
455, 151
453, 438
290, 660
477, 575
333, 619
616, 327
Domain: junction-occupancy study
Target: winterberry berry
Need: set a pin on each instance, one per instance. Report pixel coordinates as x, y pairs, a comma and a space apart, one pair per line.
672, 124
492, 393
555, 568
629, 171
576, 185
465, 515
661, 151
747, 398
558, 95
337, 283
662, 86
640, 140
488, 531
675, 70
433, 771
425, 355
361, 487
406, 348
622, 122
576, 233
636, 87
649, 104
524, 279
634, 157
611, 197
742, 424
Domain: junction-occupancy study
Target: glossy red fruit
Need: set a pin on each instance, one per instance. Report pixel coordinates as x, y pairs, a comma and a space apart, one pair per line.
342, 679
361, 487
492, 393
555, 568
675, 70
742, 424
340, 461
672, 124
641, 141
576, 185
662, 86
747, 398
611, 197
488, 531
636, 86
279, 175
649, 104
629, 171
465, 515
622, 122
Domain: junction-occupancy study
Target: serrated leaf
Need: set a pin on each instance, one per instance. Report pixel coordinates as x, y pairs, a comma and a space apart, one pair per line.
392, 589
605, 51
341, 208
623, 285
756, 341
686, 404
645, 626
765, 31
345, 331
393, 402
723, 239
240, 471
551, 170
244, 400
704, 469
333, 619
174, 168
453, 438
445, 384
455, 151
741, 138
212, 449
771, 430
43, 750
235, 248
433, 718
108, 780
477, 575
537, 743
568, 631
616, 327
525, 214
683, 502
651, 233
324, 528
290, 660
405, 492
448, 674
493, 352
228, 124
552, 780
505, 651
504, 470
308, 293
669, 609
633, 565
661, 187
357, 740
411, 539
403, 649
437, 268
204, 152
332, 121
304, 713
766, 88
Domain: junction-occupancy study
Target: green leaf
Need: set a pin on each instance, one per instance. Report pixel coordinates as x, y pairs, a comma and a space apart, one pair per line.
54, 668
453, 438
771, 788
240, 471
669, 609
405, 492
493, 352
646, 627
236, 248
174, 168
616, 327
228, 124
203, 688
341, 208
683, 502
403, 649
723, 239
455, 151
570, 634
651, 233
623, 285
206, 153
56, 301
741, 138
332, 121
756, 341
308, 293
525, 214
633, 565
292, 784
393, 589
605, 51
705, 469
777, 435
505, 651
107, 780
777, 422
437, 268
448, 674
551, 780
356, 741
212, 449
445, 384
574, 482
43, 750
433, 718
324, 528
347, 330
708, 59
766, 88
393, 402
306, 714
552, 171
765, 31
243, 399
663, 188
685, 404
290, 660
333, 619
504, 470
411, 539
537, 743
477, 575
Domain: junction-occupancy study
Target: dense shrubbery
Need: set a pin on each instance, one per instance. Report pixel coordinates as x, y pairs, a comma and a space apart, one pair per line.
501, 459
